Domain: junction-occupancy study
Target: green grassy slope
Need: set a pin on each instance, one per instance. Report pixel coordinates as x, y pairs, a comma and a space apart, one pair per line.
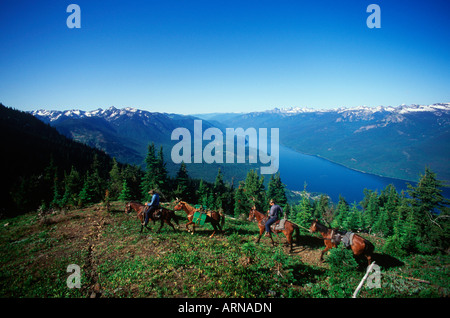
117, 261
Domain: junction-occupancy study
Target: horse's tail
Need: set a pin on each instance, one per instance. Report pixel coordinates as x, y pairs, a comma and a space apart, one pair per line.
296, 233
222, 221
368, 247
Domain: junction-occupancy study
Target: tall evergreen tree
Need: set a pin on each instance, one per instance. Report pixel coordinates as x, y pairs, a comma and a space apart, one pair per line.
125, 194
115, 180
276, 190
304, 212
88, 192
254, 190
353, 220
341, 213
202, 193
160, 173
72, 187
371, 211
183, 184
242, 204
427, 201
323, 209
149, 179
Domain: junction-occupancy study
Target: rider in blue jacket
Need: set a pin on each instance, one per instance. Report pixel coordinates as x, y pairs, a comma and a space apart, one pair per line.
151, 207
275, 209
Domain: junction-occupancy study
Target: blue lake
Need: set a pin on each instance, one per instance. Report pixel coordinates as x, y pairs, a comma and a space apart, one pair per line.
326, 177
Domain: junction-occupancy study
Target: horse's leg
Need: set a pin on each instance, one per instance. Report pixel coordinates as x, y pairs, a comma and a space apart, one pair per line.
289, 240
170, 224
187, 225
271, 238
215, 229
176, 221
219, 226
160, 227
261, 231
324, 251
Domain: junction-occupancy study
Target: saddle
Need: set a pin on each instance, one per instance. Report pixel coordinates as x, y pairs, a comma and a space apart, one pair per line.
277, 226
345, 237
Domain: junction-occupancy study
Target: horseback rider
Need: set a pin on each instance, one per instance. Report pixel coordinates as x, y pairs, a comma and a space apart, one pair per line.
151, 207
273, 216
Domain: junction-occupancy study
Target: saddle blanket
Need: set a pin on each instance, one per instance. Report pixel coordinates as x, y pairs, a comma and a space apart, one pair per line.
346, 238
277, 226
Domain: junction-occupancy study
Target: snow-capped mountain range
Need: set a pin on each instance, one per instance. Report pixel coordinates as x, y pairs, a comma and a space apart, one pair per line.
110, 114
390, 141
113, 112
439, 107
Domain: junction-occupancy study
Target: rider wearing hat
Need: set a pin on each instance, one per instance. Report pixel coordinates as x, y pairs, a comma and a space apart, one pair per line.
275, 209
152, 207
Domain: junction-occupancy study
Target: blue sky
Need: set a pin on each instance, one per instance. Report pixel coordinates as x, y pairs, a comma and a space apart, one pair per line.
192, 56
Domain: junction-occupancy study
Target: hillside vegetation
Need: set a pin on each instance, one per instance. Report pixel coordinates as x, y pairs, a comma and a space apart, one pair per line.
117, 261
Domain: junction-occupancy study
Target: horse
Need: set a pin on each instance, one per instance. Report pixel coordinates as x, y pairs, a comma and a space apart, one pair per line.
360, 245
289, 228
216, 219
166, 215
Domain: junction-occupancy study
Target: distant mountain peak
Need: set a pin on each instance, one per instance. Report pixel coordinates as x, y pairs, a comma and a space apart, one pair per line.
402, 109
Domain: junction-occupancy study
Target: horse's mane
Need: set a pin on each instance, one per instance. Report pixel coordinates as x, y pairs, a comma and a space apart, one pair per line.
321, 228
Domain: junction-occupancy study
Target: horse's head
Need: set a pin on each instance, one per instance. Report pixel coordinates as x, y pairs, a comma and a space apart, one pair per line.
128, 207
251, 214
313, 227
179, 205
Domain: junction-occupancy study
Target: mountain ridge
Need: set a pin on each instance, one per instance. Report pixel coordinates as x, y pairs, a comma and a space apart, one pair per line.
389, 141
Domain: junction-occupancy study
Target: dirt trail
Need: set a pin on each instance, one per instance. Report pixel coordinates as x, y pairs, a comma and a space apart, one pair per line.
96, 221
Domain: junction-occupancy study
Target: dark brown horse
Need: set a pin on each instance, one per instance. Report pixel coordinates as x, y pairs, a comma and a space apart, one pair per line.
289, 228
216, 219
166, 215
360, 245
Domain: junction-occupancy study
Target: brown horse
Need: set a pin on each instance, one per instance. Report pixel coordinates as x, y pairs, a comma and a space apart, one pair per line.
289, 228
216, 219
166, 215
360, 245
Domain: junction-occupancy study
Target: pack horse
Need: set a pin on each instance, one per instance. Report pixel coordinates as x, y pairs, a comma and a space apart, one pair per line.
216, 219
359, 245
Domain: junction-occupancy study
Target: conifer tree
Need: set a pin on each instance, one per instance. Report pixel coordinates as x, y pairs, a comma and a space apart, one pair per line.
149, 181
57, 197
341, 213
115, 180
182, 184
97, 182
304, 213
160, 173
242, 204
353, 220
427, 201
276, 190
125, 194
219, 191
72, 187
371, 211
202, 193
134, 175
88, 192
254, 191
